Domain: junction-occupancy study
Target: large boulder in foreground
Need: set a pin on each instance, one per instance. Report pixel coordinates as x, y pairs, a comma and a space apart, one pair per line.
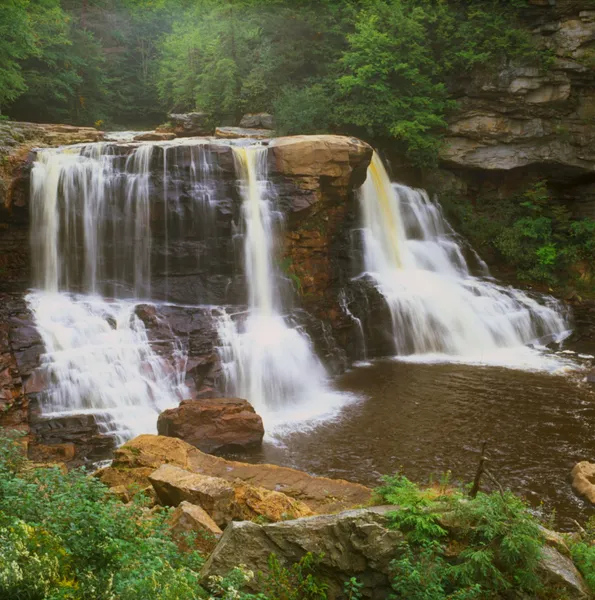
137, 459
355, 543
218, 424
583, 480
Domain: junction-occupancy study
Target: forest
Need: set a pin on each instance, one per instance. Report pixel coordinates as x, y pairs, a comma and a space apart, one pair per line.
385, 70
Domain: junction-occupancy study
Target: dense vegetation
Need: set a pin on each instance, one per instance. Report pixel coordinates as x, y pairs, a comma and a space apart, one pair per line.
63, 536
378, 68
531, 233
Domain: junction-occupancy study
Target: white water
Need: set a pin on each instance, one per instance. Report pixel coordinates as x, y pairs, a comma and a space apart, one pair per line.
266, 361
91, 225
439, 309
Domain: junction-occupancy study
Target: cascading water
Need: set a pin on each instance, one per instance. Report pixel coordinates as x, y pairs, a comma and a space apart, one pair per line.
437, 306
91, 232
266, 361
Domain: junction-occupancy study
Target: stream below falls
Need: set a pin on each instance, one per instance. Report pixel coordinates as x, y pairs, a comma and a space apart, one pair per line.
426, 419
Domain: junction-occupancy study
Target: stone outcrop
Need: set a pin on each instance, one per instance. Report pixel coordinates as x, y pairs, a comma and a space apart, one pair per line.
154, 136
191, 519
258, 121
234, 133
583, 480
136, 460
188, 124
219, 424
223, 500
356, 543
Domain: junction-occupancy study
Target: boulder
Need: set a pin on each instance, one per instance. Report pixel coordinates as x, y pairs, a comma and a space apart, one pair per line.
344, 159
136, 459
188, 124
154, 136
192, 519
583, 480
233, 133
216, 424
559, 572
258, 121
215, 495
253, 502
355, 543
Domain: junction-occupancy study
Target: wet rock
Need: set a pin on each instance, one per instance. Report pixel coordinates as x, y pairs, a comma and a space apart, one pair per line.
220, 424
583, 480
216, 496
149, 452
233, 133
258, 121
188, 124
192, 519
75, 439
356, 543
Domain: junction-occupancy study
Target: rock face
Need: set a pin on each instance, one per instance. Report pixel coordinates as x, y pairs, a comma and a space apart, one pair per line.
258, 121
154, 136
136, 460
188, 124
219, 424
356, 543
583, 480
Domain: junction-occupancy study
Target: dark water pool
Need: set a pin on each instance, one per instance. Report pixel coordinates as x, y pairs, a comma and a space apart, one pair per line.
425, 419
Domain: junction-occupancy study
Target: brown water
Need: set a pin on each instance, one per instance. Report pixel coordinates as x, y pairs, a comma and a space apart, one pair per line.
426, 419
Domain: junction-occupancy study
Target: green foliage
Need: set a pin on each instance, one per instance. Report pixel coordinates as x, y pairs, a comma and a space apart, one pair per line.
583, 552
497, 545
303, 110
532, 233
352, 589
299, 582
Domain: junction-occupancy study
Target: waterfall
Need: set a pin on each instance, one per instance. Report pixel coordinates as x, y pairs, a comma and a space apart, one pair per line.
91, 233
265, 360
437, 306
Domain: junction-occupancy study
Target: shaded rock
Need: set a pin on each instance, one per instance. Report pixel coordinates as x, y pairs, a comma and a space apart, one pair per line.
559, 572
189, 124
232, 133
258, 121
356, 543
174, 485
154, 136
192, 519
213, 425
146, 452
583, 480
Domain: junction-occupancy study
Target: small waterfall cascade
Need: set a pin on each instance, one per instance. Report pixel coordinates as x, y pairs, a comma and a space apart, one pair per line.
265, 360
91, 239
437, 306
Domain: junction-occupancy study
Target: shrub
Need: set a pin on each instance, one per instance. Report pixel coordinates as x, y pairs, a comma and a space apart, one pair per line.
583, 552
496, 547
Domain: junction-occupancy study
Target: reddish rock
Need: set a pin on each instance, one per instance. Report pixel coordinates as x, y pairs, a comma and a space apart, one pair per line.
213, 424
